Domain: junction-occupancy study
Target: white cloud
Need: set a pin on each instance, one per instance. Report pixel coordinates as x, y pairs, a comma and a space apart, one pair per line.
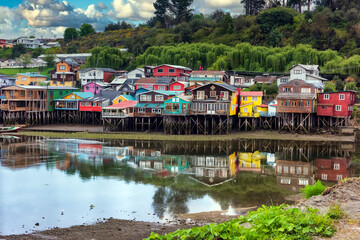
136, 10
208, 6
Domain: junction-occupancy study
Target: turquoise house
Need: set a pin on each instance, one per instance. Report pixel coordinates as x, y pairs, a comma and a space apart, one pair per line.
178, 105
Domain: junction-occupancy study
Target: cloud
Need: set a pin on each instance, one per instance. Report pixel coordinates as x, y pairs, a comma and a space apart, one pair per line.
207, 6
134, 10
9, 21
101, 6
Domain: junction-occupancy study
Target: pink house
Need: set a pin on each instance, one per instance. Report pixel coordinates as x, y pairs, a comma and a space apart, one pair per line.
94, 87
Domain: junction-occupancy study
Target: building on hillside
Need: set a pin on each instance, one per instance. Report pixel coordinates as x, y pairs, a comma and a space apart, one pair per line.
240, 81
128, 87
293, 175
95, 87
163, 83
214, 99
333, 170
297, 96
180, 73
204, 77
65, 74
110, 94
30, 78
123, 98
177, 105
29, 42
5, 44
6, 81
272, 106
307, 73
149, 71
95, 75
71, 100
136, 73
177, 86
147, 83
336, 104
78, 57
51, 45
251, 104
282, 79
118, 81
56, 93
265, 79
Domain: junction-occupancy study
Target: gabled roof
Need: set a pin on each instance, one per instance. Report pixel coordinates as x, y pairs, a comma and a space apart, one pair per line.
101, 69
169, 93
128, 97
307, 67
119, 80
174, 66
208, 72
251, 93
164, 80
122, 105
94, 99
108, 94
224, 85
185, 98
265, 79
151, 80
70, 62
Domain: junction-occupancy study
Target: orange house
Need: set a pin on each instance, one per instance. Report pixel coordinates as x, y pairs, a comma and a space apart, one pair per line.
29, 78
65, 73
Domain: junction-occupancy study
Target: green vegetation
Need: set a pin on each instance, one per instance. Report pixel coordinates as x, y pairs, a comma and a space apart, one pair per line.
313, 190
70, 34
276, 222
13, 71
86, 29
335, 212
108, 57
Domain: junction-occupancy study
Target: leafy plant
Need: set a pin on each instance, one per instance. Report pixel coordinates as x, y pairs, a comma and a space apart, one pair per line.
275, 222
335, 212
313, 190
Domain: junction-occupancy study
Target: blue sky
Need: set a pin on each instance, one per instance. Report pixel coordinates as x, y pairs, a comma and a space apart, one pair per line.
49, 18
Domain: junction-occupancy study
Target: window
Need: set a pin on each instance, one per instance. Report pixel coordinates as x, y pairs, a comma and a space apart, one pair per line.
307, 103
62, 67
326, 96
305, 90
287, 103
159, 98
337, 166
286, 169
177, 87
160, 70
153, 110
301, 103
162, 88
171, 70
99, 104
287, 89
297, 71
279, 168
306, 171
138, 75
323, 176
298, 170
212, 93
224, 95
142, 97
285, 181
158, 111
293, 103
60, 93
283, 80
22, 93
24, 78
338, 108
292, 170
246, 110
244, 98
141, 110
88, 104
303, 182
82, 104
200, 95
82, 74
254, 99
339, 177
87, 88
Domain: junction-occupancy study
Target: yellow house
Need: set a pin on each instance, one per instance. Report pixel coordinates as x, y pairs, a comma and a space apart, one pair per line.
249, 161
249, 104
123, 98
32, 78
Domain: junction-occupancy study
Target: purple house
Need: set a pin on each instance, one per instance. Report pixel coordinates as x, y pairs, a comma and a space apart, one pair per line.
94, 87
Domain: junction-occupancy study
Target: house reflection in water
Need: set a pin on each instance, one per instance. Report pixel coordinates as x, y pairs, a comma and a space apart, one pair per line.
293, 175
333, 170
210, 171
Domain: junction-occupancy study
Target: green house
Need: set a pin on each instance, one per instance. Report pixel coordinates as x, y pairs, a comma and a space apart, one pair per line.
57, 93
178, 105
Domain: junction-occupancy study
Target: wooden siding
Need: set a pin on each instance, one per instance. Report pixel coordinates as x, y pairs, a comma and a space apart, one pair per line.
336, 104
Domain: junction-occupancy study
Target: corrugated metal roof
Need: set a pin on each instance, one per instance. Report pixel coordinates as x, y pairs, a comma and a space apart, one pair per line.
109, 94
150, 105
151, 80
122, 105
296, 96
208, 72
164, 80
224, 85
204, 79
94, 99
32, 74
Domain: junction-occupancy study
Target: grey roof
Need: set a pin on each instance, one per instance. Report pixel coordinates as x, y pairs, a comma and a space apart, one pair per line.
164, 80
127, 88
94, 99
306, 96
71, 62
131, 81
224, 85
61, 88
108, 94
102, 69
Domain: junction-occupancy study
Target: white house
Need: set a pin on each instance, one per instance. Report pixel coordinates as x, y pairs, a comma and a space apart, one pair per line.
96, 75
241, 81
307, 73
51, 45
136, 74
282, 79
29, 42
272, 106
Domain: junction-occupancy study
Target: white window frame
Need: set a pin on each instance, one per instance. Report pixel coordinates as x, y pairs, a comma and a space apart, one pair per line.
161, 88
159, 98
285, 181
336, 166
171, 70
342, 97
303, 182
141, 110
326, 96
160, 70
200, 95
339, 177
324, 176
143, 98
62, 67
254, 99
338, 108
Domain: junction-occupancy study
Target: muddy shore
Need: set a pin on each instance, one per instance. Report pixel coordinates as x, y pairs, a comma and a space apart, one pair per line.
346, 194
95, 132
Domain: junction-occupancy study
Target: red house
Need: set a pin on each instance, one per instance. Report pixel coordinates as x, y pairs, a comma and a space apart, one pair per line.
179, 72
177, 86
93, 104
333, 169
336, 104
147, 83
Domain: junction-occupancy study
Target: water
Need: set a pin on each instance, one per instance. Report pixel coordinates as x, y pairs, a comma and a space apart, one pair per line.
66, 182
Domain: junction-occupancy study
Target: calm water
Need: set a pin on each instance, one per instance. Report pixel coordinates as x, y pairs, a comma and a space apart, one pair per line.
65, 182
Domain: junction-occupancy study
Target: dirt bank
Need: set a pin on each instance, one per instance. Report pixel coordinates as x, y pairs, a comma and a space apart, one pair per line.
95, 132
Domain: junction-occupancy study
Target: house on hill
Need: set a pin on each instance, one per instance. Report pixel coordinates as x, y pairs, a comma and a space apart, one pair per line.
30, 78
180, 73
204, 77
95, 75
65, 73
307, 73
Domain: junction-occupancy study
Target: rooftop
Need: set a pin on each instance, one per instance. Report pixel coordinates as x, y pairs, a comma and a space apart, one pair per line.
122, 105
251, 93
32, 74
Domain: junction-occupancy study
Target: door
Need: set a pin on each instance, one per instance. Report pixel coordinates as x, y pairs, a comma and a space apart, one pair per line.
211, 108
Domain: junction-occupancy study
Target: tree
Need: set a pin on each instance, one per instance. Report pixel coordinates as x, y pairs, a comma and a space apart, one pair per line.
173, 12
86, 29
227, 25
17, 50
70, 34
108, 57
71, 49
351, 86
275, 17
339, 83
161, 8
253, 7
50, 56
24, 59
37, 52
329, 87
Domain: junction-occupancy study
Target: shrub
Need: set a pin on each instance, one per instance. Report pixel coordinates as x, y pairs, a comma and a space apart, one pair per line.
313, 190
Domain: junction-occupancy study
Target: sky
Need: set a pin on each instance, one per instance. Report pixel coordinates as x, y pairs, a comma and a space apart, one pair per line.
50, 18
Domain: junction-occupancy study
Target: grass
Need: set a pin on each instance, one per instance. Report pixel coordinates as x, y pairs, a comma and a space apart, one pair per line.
335, 212
13, 71
270, 135
275, 222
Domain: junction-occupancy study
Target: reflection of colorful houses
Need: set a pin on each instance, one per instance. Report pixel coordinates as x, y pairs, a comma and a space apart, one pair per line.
211, 171
250, 161
175, 163
333, 169
293, 175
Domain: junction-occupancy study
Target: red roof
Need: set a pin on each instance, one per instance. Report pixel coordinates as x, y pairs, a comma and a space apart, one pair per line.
122, 105
251, 93
263, 105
